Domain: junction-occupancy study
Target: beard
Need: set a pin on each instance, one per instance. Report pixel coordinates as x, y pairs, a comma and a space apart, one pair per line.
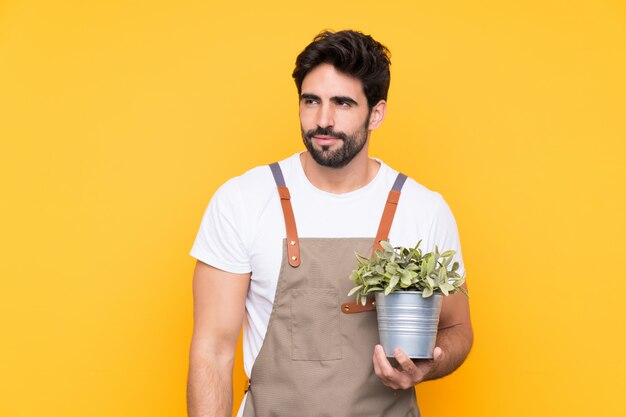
337, 158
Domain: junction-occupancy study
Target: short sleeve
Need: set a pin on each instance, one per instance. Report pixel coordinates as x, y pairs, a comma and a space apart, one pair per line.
444, 233
220, 241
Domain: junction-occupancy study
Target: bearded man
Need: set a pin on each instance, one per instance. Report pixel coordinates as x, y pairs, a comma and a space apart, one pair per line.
276, 247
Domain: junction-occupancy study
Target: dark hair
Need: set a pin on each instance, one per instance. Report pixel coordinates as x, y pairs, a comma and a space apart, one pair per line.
351, 53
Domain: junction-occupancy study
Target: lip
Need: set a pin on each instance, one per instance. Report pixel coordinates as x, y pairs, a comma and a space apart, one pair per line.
325, 140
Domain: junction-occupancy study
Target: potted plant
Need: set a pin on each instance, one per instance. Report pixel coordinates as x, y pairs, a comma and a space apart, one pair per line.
408, 288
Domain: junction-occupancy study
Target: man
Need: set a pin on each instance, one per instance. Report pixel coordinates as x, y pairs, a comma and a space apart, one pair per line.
277, 243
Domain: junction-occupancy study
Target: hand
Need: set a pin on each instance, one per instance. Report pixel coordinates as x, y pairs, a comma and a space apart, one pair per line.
409, 372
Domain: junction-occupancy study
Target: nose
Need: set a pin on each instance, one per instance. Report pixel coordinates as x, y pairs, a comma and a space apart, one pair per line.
326, 116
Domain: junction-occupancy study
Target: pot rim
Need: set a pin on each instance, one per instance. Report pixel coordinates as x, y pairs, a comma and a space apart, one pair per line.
409, 292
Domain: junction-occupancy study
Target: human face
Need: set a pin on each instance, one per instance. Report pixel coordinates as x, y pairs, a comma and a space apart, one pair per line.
334, 116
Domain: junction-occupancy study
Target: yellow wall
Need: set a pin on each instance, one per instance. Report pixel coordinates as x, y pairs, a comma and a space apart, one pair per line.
118, 120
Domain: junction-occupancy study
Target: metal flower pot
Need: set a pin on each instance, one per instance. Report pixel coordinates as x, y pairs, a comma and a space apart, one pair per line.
408, 321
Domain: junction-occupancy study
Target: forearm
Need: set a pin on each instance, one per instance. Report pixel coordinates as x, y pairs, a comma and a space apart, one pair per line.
456, 342
209, 389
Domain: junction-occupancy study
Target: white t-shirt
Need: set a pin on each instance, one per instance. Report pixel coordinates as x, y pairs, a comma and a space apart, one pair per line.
243, 228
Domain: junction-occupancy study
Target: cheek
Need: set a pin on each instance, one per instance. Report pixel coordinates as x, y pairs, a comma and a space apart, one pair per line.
307, 118
358, 122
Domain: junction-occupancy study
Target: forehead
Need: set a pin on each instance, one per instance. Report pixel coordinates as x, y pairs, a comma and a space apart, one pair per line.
325, 80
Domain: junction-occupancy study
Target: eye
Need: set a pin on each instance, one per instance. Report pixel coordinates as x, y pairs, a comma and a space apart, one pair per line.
343, 103
309, 101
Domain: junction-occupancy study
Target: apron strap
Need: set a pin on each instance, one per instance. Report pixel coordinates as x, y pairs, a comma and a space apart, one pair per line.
293, 244
389, 212
351, 307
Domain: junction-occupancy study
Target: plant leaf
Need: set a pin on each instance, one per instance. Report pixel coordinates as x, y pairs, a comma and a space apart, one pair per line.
355, 289
445, 288
442, 276
405, 281
373, 281
393, 281
430, 265
459, 281
412, 267
386, 246
430, 282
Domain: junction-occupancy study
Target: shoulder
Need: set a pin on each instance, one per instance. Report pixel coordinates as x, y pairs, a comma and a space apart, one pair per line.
415, 196
420, 206
416, 192
254, 185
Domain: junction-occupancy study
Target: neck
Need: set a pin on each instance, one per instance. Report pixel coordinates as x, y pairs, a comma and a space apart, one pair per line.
357, 174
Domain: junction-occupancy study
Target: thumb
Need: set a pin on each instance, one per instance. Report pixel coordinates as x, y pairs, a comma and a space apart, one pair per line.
438, 354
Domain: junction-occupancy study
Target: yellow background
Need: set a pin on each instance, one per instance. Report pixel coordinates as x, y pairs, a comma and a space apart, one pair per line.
119, 119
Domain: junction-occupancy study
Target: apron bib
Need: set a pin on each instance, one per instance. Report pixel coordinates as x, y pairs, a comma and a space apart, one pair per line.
316, 358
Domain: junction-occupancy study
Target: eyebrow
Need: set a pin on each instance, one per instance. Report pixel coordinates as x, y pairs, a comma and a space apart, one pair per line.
307, 96
345, 99
334, 99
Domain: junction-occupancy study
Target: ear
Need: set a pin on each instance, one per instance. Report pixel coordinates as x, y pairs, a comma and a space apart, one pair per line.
377, 115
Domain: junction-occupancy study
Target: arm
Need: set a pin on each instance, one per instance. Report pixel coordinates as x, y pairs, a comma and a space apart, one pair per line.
219, 305
454, 341
454, 336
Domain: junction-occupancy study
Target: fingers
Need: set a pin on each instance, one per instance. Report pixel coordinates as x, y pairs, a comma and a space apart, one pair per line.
406, 364
375, 359
384, 367
425, 368
410, 372
387, 373
438, 354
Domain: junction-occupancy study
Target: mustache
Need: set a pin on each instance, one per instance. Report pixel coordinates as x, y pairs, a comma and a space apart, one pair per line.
325, 131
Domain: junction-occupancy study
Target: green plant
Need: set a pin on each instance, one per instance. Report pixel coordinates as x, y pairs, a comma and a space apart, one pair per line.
406, 269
